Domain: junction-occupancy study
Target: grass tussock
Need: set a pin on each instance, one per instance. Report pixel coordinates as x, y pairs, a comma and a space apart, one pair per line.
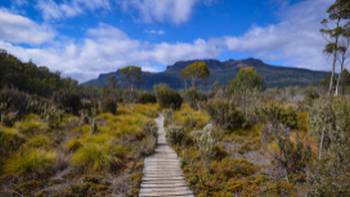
190, 118
31, 161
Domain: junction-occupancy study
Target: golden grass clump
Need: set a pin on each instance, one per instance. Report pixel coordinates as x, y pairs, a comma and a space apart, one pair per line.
30, 161
39, 141
190, 118
30, 127
10, 141
96, 157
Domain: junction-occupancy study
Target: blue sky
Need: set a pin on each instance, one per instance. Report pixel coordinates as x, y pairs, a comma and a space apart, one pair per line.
83, 38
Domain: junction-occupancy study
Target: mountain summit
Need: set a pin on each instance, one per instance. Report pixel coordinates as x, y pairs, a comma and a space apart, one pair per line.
222, 72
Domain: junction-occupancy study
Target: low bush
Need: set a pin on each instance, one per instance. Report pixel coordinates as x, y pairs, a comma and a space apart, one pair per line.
146, 97
109, 105
10, 141
194, 98
31, 162
229, 168
68, 101
178, 136
15, 104
226, 115
167, 98
278, 113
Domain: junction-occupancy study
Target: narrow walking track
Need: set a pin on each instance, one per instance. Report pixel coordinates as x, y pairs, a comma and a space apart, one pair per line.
162, 172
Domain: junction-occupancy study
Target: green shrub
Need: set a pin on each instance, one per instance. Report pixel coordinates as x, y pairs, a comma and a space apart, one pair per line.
178, 136
229, 168
10, 141
15, 104
109, 105
31, 161
68, 101
194, 98
278, 113
166, 97
226, 114
146, 97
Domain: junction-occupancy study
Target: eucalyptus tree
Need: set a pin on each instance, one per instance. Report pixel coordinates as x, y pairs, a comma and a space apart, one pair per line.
334, 28
133, 75
195, 71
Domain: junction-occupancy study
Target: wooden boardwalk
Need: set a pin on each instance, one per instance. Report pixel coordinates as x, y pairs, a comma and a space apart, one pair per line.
162, 172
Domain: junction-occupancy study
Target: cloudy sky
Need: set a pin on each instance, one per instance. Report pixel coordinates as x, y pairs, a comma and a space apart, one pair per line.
83, 38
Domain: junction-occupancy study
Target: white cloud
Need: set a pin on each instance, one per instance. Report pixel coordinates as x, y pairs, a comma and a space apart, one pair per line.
50, 9
155, 32
175, 11
19, 29
296, 39
105, 49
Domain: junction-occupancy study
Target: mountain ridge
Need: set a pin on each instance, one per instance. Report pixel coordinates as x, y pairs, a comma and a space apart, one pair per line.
222, 72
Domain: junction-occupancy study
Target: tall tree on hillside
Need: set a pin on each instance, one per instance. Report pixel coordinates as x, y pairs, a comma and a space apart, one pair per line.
343, 54
338, 16
194, 72
245, 84
132, 74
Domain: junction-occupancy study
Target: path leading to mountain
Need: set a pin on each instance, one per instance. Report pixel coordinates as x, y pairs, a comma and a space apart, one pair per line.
162, 173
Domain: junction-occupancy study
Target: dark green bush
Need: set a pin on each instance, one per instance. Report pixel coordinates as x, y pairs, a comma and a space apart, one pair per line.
146, 97
14, 104
167, 98
178, 136
69, 101
109, 105
194, 98
226, 115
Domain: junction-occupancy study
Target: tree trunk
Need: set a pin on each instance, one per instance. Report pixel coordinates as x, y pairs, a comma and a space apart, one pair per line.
330, 90
340, 75
321, 146
193, 82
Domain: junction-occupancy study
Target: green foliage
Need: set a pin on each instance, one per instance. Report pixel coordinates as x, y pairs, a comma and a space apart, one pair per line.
277, 113
15, 104
166, 97
226, 115
31, 162
69, 101
247, 79
195, 71
30, 78
194, 98
146, 97
178, 136
10, 141
132, 74
109, 105
229, 168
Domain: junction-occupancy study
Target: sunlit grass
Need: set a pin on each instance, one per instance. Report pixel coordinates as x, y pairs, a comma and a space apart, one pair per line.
189, 117
31, 161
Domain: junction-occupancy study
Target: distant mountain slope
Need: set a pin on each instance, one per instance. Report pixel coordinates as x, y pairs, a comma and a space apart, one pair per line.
223, 72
